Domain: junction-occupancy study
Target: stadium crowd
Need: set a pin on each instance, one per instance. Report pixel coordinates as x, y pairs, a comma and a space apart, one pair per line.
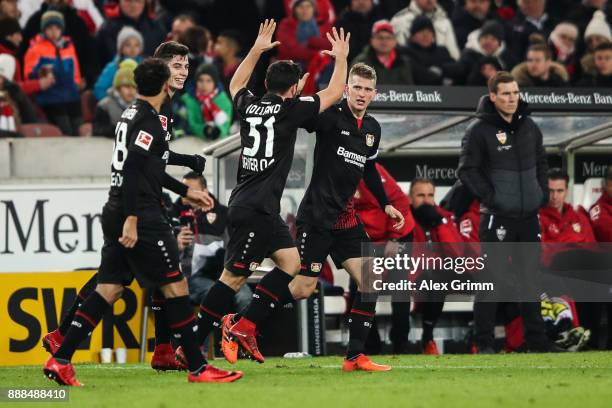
70, 62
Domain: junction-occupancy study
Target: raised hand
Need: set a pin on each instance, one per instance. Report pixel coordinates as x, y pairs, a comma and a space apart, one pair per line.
302, 82
339, 43
263, 42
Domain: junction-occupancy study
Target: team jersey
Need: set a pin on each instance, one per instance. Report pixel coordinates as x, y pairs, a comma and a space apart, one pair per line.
140, 130
166, 117
268, 128
341, 151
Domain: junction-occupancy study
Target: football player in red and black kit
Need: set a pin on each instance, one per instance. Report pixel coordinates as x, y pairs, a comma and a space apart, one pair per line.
138, 240
176, 57
268, 129
345, 152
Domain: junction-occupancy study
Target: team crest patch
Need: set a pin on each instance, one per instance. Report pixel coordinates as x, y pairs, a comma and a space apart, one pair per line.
577, 228
144, 140
164, 122
316, 267
211, 217
553, 228
501, 137
370, 140
466, 227
253, 266
501, 233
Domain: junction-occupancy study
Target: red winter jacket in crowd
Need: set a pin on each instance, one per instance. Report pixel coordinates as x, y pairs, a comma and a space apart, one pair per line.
291, 49
566, 227
601, 218
377, 224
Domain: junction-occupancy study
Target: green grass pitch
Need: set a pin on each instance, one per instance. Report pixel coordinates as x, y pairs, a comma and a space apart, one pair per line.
511, 380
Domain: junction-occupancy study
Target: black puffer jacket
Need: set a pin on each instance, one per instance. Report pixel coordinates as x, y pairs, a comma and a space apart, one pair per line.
504, 164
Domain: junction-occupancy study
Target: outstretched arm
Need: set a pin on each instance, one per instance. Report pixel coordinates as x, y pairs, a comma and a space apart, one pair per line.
263, 43
339, 51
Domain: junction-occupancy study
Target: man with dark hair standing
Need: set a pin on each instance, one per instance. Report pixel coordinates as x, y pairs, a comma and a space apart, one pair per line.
138, 240
175, 57
268, 129
503, 163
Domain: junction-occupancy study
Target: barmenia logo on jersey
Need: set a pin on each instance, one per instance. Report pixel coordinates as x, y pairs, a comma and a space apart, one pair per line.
144, 140
351, 157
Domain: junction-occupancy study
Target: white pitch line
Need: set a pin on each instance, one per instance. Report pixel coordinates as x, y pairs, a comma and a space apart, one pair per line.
400, 367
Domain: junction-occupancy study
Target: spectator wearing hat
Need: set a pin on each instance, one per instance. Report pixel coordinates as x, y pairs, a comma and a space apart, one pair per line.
15, 107
10, 40
392, 67
358, 20
121, 96
603, 68
488, 44
227, 52
75, 28
597, 32
50, 51
326, 14
582, 13
129, 45
469, 17
530, 19
131, 13
208, 113
445, 33
300, 35
434, 59
562, 42
540, 69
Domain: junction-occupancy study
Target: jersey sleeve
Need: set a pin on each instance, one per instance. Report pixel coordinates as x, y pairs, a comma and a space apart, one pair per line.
144, 135
374, 140
242, 100
305, 110
322, 122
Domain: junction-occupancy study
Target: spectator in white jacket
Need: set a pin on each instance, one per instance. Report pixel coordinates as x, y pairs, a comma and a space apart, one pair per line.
445, 35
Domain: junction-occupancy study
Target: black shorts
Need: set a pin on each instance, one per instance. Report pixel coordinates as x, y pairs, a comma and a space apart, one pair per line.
154, 261
315, 244
253, 235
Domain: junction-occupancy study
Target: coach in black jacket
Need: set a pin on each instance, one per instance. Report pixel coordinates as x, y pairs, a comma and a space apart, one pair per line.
503, 163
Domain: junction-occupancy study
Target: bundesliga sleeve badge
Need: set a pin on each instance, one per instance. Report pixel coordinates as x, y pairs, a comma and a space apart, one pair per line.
144, 140
501, 137
370, 140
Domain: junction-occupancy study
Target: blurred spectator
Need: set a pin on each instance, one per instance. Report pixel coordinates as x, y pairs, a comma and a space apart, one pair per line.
358, 20
470, 17
540, 69
52, 52
8, 8
562, 42
196, 39
582, 13
531, 18
10, 40
15, 107
485, 49
180, 24
603, 68
597, 32
228, 49
123, 94
601, 212
439, 66
209, 112
300, 35
445, 34
201, 243
326, 15
75, 28
392, 68
129, 45
131, 13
